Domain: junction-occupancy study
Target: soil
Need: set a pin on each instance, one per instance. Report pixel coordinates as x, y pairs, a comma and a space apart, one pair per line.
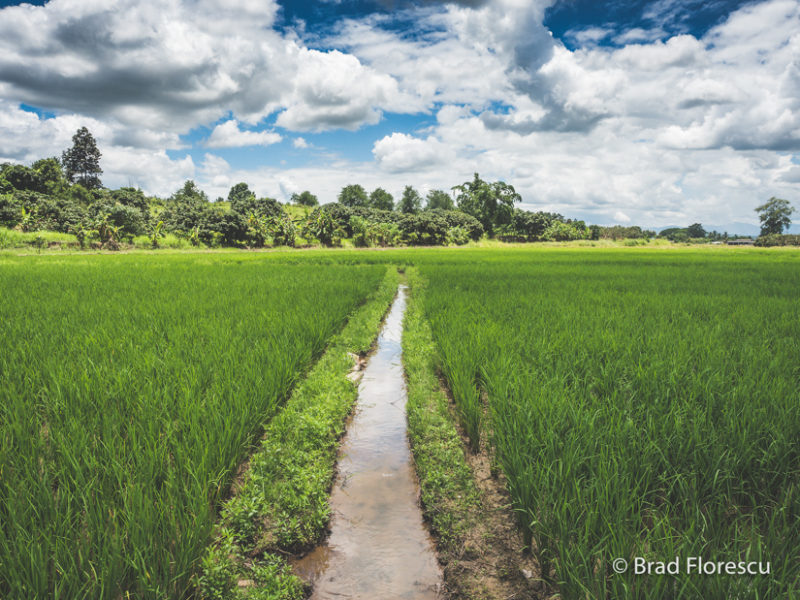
491, 563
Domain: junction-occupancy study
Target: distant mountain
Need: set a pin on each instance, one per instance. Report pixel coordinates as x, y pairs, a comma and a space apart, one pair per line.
734, 228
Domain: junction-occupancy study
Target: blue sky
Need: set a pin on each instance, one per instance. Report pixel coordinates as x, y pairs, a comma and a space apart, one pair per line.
652, 112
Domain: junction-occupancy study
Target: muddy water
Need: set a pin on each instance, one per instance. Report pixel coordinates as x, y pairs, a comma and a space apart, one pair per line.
378, 547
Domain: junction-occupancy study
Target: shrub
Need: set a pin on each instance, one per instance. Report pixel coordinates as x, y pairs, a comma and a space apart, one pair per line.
562, 232
777, 239
10, 210
457, 236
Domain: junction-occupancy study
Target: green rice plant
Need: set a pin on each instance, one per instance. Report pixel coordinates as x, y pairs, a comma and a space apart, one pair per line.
642, 403
131, 388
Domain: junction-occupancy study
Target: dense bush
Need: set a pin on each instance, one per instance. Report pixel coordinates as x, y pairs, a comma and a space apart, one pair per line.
619, 232
10, 210
777, 239
429, 227
559, 231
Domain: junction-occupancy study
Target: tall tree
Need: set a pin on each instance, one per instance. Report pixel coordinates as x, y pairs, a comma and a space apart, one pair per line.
353, 195
240, 193
775, 215
491, 203
439, 199
411, 202
190, 193
381, 199
305, 198
695, 230
82, 161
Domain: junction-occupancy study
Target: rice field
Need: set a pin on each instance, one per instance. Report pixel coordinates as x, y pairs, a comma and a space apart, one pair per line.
640, 404
131, 387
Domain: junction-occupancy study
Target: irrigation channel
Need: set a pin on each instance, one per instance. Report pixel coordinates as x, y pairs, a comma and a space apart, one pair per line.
378, 546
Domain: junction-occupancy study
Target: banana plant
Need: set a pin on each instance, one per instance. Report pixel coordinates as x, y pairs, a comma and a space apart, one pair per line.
154, 232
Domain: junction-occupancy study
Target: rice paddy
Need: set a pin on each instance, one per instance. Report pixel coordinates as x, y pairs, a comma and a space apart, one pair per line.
640, 403
130, 390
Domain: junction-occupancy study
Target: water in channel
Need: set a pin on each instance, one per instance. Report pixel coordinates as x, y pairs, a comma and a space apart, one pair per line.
379, 547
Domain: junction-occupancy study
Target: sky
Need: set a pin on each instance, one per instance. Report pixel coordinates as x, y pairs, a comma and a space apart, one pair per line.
662, 112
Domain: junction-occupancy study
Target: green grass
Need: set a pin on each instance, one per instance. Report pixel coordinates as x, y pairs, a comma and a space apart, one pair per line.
130, 390
168, 241
450, 498
282, 504
641, 403
12, 238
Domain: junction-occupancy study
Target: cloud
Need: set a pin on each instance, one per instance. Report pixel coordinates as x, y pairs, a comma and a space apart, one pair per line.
333, 89
300, 143
638, 34
169, 64
228, 135
173, 65
588, 36
401, 153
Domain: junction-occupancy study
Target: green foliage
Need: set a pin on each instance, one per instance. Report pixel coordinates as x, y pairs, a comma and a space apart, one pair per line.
674, 234
131, 220
439, 199
282, 503
620, 232
50, 176
41, 212
282, 230
21, 178
189, 194
131, 197
155, 233
263, 207
217, 580
411, 202
258, 230
634, 409
77, 194
305, 198
240, 196
105, 231
10, 210
82, 161
775, 239
559, 231
490, 203
456, 236
154, 377
353, 195
361, 235
380, 199
527, 226
695, 230
775, 216
14, 238
429, 227
324, 227
450, 498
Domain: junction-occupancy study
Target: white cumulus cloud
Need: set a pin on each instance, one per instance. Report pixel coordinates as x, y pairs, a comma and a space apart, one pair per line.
229, 135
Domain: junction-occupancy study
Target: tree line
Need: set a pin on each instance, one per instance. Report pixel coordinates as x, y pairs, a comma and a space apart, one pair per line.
66, 195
